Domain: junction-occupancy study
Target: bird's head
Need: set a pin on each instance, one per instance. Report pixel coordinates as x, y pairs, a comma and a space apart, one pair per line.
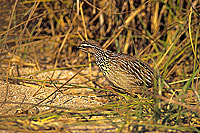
89, 46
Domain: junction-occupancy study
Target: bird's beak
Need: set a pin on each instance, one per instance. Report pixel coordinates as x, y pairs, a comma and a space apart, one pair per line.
82, 48
79, 46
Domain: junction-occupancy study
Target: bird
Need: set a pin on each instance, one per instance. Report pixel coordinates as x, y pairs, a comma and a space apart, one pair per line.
125, 72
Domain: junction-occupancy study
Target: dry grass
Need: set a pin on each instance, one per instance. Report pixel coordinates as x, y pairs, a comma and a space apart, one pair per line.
47, 84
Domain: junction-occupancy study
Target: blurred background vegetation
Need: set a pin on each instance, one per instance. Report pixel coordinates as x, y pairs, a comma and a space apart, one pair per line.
39, 36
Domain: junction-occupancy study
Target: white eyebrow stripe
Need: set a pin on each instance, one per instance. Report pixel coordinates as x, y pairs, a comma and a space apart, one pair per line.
86, 45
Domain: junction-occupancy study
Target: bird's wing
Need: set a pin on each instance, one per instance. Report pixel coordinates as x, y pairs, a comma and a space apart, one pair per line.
136, 70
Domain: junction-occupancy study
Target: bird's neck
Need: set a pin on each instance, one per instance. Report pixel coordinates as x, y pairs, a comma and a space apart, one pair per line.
103, 60
101, 55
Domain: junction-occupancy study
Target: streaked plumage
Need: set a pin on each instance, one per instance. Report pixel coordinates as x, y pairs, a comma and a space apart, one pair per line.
122, 71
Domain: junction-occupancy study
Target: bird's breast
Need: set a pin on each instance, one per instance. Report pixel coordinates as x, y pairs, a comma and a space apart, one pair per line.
104, 64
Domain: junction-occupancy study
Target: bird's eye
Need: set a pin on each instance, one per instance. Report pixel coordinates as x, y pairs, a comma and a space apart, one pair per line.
83, 46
